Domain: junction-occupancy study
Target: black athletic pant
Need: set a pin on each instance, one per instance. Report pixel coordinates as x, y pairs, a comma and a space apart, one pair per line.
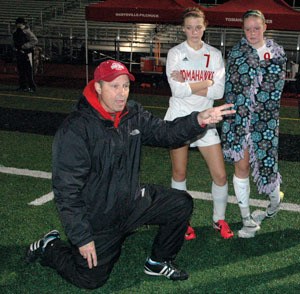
169, 208
25, 70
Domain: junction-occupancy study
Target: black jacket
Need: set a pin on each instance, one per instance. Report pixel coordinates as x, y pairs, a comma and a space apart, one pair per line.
96, 166
24, 40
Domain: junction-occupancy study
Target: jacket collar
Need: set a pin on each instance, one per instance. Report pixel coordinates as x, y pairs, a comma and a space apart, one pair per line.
92, 97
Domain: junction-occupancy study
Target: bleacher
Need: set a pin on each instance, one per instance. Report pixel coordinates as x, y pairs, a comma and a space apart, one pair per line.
35, 11
60, 26
141, 38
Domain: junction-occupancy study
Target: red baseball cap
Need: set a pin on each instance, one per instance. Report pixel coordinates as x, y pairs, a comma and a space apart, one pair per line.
110, 69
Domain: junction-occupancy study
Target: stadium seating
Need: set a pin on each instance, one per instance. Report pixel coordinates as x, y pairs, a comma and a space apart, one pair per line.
60, 27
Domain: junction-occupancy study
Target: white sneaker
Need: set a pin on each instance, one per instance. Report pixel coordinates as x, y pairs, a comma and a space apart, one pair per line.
272, 211
258, 216
250, 227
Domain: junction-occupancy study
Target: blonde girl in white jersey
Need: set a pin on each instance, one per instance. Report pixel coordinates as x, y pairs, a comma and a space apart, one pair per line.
196, 76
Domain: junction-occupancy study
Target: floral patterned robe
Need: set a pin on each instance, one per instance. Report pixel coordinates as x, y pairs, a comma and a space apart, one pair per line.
254, 86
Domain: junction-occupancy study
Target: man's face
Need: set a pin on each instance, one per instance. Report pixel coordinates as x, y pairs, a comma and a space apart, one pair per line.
113, 95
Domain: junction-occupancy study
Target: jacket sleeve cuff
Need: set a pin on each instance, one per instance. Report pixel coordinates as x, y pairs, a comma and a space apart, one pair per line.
84, 242
196, 122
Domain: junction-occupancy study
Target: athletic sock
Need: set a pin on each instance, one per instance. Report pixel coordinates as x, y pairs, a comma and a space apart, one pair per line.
275, 197
178, 185
220, 198
242, 193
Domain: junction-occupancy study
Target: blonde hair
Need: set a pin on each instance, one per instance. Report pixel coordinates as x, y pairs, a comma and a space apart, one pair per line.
194, 12
255, 13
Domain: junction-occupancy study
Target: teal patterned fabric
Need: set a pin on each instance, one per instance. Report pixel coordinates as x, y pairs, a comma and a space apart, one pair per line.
255, 88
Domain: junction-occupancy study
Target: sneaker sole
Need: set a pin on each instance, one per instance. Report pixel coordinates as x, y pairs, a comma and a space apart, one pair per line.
246, 235
151, 273
227, 237
251, 229
248, 232
162, 275
30, 257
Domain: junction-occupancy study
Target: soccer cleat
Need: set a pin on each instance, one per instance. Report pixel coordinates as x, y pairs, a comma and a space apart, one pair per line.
250, 227
37, 248
190, 234
271, 211
165, 268
223, 227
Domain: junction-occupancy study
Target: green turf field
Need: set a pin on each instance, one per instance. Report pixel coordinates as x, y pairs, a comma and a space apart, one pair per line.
268, 263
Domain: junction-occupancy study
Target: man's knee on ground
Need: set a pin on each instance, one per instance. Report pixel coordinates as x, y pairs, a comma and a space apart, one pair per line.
92, 282
95, 285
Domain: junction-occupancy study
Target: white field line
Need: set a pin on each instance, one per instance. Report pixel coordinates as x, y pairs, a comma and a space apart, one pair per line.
42, 200
31, 173
253, 202
25, 172
195, 194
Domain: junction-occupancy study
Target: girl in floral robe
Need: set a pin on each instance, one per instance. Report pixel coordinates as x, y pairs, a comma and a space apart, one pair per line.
255, 73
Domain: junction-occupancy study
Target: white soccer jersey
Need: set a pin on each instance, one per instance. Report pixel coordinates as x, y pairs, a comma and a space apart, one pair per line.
265, 52
195, 66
